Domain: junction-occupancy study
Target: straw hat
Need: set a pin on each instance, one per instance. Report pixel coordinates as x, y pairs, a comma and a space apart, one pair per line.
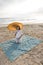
15, 25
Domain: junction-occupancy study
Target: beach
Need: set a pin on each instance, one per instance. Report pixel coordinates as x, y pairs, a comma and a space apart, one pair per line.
34, 56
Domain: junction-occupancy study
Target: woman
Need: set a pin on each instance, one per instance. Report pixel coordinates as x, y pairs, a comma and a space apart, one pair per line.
17, 28
18, 34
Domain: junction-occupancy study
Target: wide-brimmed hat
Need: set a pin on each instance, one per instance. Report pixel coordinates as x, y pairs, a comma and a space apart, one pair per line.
13, 26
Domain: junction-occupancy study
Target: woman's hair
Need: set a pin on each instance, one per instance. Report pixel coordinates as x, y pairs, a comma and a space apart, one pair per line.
17, 27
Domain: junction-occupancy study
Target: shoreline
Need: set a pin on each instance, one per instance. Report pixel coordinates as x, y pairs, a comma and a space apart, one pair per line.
4, 25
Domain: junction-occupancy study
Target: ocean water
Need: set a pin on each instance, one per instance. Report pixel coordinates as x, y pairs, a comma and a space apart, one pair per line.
13, 50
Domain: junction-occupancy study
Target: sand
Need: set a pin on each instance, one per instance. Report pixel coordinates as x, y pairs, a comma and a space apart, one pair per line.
34, 56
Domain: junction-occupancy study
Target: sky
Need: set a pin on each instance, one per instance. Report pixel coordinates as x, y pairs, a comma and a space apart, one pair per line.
21, 10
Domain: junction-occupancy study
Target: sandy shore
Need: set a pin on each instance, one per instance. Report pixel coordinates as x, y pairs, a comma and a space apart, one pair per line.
34, 56
32, 30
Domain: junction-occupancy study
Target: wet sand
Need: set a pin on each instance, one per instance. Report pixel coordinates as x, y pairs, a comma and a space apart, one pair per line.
34, 56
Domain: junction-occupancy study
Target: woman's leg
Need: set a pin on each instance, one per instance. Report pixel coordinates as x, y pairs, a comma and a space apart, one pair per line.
16, 40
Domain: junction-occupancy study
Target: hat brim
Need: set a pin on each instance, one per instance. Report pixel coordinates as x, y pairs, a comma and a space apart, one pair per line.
13, 26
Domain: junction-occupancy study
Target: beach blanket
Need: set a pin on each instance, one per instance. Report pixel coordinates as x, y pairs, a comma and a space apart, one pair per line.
13, 50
